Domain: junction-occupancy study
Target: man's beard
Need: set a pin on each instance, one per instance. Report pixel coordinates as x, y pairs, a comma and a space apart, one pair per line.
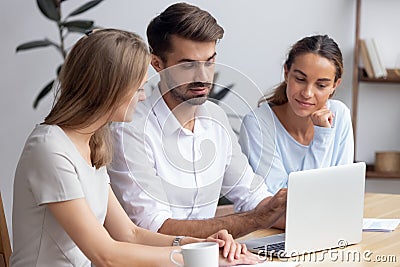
179, 93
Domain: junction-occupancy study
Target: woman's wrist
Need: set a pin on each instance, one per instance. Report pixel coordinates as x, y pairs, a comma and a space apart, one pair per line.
187, 240
177, 241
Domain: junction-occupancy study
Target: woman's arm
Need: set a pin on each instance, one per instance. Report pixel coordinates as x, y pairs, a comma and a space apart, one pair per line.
334, 145
113, 244
345, 154
121, 228
258, 143
78, 220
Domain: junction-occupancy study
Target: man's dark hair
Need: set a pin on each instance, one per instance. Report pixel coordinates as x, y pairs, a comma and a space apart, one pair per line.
184, 20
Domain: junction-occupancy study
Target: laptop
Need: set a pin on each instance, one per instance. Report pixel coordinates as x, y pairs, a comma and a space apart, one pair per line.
324, 210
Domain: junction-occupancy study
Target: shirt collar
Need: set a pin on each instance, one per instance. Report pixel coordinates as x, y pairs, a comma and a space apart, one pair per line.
169, 123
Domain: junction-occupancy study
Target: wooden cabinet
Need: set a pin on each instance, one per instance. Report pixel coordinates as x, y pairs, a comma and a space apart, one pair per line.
360, 76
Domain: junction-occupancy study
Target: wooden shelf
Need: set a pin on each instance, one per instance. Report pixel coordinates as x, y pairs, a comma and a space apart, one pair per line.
375, 174
360, 76
392, 77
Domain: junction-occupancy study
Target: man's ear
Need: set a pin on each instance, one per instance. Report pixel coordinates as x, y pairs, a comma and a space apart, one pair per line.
157, 63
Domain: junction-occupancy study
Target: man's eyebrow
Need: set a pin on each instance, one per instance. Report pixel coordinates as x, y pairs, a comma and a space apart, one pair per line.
192, 60
320, 80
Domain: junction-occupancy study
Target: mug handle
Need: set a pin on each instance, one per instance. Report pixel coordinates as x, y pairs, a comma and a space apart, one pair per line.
171, 257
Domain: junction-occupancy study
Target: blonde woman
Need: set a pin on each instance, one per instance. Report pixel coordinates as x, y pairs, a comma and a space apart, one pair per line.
64, 212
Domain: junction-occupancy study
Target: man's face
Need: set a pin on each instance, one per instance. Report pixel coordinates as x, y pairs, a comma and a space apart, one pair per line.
187, 72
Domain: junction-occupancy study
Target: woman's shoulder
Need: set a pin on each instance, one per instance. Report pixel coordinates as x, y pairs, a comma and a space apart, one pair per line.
337, 105
45, 146
47, 138
262, 112
262, 117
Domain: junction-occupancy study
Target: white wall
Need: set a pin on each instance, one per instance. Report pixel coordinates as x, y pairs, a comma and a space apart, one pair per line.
258, 36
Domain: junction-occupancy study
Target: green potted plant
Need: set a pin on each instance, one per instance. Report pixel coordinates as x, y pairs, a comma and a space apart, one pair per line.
52, 9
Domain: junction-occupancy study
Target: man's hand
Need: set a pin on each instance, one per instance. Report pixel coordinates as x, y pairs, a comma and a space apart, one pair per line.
323, 117
281, 222
269, 210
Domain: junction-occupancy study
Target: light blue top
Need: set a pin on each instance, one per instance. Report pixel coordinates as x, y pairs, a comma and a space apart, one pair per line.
273, 153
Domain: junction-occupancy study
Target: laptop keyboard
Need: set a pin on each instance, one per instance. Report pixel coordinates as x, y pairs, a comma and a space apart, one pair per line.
275, 247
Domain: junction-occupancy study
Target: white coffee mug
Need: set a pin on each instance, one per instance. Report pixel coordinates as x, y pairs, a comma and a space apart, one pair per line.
198, 254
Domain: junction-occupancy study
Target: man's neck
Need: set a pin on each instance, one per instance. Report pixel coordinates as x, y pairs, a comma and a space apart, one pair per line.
183, 112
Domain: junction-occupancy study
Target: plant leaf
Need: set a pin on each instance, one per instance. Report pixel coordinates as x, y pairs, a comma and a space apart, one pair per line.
216, 74
43, 93
79, 30
78, 25
85, 7
221, 93
59, 69
33, 44
224, 201
49, 9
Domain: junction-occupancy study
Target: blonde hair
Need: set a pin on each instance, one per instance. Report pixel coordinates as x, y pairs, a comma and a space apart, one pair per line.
97, 75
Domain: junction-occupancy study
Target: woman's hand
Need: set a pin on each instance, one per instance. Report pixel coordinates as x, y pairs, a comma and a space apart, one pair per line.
231, 250
245, 258
323, 117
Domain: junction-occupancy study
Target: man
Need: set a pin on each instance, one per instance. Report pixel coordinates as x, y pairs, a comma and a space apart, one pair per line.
180, 154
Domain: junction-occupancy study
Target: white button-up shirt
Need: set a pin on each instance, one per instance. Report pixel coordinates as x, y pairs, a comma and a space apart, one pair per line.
161, 170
